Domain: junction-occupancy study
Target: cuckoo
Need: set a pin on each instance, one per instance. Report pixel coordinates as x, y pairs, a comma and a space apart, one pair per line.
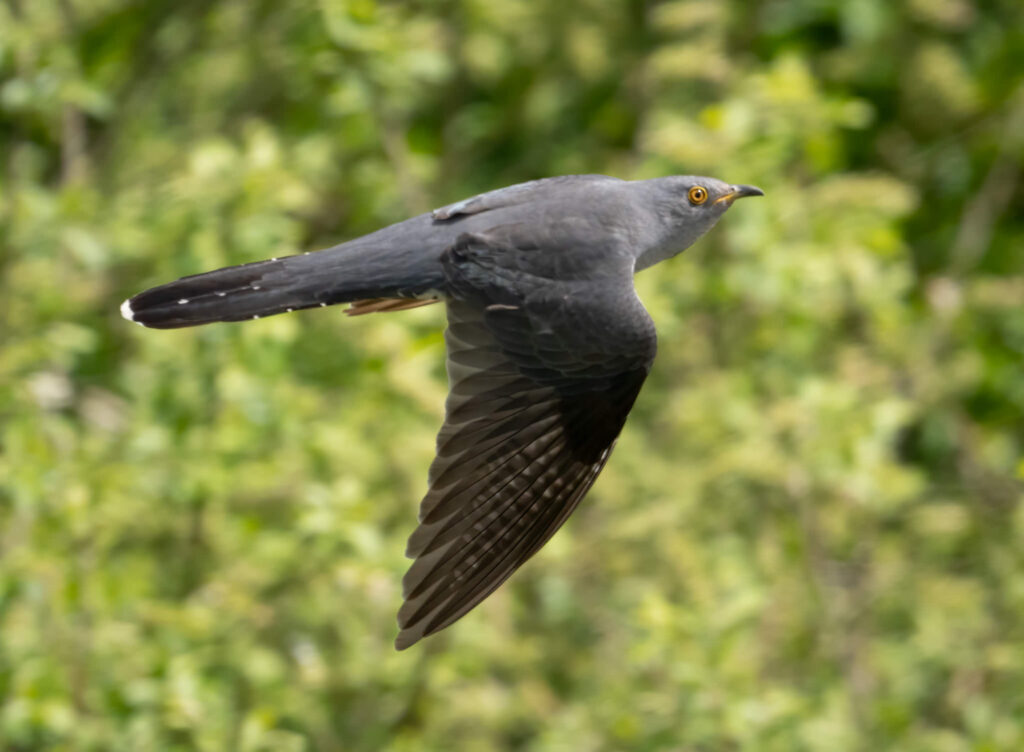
547, 348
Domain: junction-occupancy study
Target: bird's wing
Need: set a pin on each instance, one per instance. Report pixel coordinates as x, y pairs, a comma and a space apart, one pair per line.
543, 372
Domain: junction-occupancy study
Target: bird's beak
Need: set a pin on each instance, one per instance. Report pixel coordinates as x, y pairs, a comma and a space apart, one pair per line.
740, 191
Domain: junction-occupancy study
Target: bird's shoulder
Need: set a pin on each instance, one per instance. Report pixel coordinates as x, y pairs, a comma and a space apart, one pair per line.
557, 256
556, 313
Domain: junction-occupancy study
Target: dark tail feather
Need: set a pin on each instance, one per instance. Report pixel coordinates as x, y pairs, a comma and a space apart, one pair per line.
395, 262
290, 283
236, 293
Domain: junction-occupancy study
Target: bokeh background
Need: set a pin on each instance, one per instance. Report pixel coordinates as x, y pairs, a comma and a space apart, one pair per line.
811, 534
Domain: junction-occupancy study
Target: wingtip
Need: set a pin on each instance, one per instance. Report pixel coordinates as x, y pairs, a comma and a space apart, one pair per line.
408, 636
403, 642
410, 629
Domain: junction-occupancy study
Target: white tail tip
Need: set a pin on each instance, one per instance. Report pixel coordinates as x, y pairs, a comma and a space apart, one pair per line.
127, 312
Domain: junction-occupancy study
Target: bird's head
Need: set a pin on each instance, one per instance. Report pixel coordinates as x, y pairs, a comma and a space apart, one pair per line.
686, 207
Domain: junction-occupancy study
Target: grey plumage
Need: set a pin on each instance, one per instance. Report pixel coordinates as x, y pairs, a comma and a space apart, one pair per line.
548, 346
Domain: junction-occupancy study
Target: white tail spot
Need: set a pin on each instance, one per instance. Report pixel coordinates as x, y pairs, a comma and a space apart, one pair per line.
183, 301
126, 310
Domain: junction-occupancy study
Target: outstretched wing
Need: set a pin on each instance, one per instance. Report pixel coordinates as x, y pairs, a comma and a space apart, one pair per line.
543, 373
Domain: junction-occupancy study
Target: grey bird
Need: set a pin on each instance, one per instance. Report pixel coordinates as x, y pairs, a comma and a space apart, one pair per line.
547, 348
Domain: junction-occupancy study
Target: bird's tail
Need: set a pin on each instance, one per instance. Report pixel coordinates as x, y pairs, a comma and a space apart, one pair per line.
251, 291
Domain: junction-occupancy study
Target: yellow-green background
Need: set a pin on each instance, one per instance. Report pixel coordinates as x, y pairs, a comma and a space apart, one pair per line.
811, 534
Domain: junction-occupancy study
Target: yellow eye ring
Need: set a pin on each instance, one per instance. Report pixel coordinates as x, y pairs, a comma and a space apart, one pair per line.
698, 195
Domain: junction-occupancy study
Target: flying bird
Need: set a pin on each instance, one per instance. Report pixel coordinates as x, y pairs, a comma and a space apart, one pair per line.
547, 348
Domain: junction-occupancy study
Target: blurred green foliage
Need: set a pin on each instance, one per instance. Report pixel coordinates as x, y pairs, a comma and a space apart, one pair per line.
811, 535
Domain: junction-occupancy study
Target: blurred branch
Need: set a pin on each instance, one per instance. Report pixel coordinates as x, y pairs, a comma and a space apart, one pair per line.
73, 132
72, 145
992, 198
70, 15
393, 142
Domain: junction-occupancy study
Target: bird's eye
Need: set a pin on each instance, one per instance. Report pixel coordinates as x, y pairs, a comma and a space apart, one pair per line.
698, 195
